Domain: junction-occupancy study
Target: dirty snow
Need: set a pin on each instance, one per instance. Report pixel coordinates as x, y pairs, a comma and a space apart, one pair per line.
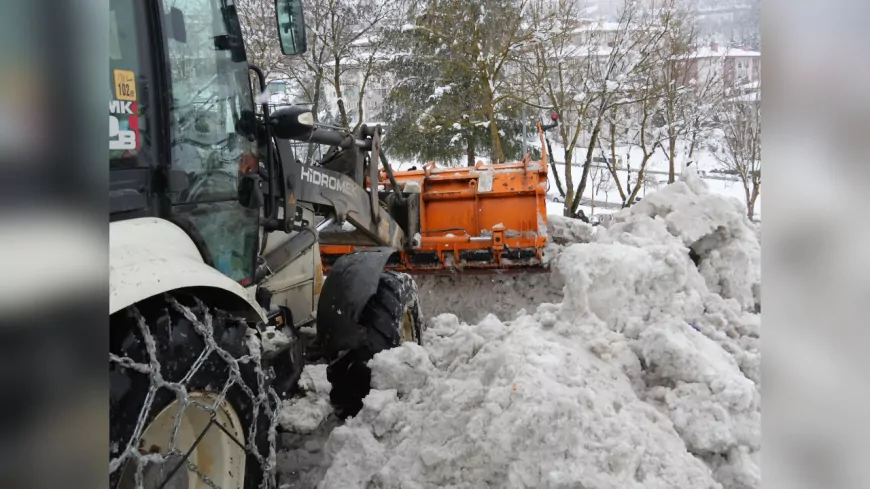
627, 366
305, 413
273, 340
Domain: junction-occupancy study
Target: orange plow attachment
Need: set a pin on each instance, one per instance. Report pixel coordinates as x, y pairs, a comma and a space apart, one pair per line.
482, 219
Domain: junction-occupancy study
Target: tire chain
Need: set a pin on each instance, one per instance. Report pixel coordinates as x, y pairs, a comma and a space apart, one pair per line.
152, 369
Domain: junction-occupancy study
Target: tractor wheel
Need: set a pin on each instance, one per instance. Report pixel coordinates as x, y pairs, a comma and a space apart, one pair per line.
391, 317
187, 377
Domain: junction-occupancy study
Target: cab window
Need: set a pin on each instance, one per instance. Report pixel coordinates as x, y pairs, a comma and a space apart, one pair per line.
212, 139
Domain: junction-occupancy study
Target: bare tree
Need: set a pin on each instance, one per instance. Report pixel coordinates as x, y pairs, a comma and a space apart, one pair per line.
631, 125
691, 93
351, 26
741, 144
613, 72
308, 71
257, 18
634, 118
553, 75
343, 45
601, 181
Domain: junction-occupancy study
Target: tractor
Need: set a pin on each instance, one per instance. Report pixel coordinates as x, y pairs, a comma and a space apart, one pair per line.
215, 265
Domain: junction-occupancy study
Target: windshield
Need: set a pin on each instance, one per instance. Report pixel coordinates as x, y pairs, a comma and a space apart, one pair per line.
210, 96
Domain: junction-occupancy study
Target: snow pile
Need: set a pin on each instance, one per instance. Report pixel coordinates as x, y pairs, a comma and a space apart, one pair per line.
562, 231
645, 374
713, 226
305, 414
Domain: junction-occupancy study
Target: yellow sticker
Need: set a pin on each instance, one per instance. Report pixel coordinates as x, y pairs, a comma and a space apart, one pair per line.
125, 85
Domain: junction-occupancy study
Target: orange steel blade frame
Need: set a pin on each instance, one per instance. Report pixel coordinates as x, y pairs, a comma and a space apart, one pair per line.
482, 219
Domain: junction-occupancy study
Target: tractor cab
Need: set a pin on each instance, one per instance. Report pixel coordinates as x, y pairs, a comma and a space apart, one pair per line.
183, 130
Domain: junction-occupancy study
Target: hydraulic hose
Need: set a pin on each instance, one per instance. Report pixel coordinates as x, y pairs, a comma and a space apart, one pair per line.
392, 177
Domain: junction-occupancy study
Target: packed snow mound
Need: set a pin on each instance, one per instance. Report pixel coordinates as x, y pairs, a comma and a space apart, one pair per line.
517, 406
639, 367
715, 227
565, 230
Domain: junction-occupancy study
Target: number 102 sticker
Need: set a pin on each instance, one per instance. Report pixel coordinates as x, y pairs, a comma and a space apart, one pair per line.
125, 85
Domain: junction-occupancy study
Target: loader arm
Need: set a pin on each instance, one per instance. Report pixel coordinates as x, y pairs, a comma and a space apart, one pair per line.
347, 201
337, 187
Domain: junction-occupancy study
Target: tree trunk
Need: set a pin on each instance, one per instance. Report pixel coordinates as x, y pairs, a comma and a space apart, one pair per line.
336, 80
315, 108
750, 189
696, 126
592, 202
569, 182
593, 139
569, 171
672, 149
612, 166
751, 204
640, 174
497, 152
470, 152
554, 168
360, 104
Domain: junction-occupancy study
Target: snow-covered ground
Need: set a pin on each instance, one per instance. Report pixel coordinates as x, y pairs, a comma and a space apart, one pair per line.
657, 168
628, 366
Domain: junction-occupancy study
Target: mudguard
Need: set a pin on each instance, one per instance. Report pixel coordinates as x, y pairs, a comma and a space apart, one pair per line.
149, 256
351, 282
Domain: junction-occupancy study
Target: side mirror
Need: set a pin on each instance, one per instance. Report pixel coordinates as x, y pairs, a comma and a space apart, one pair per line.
291, 26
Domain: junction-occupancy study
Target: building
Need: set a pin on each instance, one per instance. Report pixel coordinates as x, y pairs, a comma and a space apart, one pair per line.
734, 66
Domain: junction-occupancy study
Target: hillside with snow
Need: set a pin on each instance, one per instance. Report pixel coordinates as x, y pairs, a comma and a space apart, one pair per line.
634, 364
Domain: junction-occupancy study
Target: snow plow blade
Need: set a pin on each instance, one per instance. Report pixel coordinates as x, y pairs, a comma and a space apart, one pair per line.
485, 219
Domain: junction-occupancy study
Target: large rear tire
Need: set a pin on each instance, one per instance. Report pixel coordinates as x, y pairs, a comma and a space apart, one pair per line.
391, 317
177, 367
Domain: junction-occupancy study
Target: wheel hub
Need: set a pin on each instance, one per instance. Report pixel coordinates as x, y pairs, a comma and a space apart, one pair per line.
215, 456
